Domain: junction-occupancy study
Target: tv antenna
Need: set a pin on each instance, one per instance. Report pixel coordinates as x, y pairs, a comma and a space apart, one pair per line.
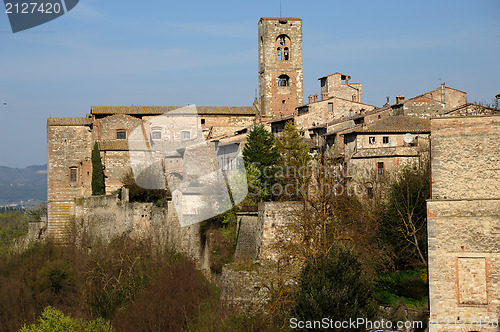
280, 8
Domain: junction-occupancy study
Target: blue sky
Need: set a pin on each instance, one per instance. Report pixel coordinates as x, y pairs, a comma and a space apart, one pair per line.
110, 52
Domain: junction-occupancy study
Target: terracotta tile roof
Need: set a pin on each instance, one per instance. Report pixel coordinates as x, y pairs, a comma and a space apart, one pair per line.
399, 124
69, 121
155, 110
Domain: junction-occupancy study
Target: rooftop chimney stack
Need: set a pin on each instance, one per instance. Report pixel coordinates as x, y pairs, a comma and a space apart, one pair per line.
324, 95
315, 97
310, 99
400, 99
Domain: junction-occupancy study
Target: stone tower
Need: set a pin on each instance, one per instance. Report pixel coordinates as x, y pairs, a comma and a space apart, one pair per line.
280, 65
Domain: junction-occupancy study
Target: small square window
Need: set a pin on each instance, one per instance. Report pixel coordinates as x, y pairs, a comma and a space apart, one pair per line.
156, 135
185, 134
72, 174
121, 134
202, 121
371, 139
385, 139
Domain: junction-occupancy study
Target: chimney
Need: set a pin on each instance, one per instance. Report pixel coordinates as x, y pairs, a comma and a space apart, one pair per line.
400, 99
443, 93
388, 101
310, 99
324, 95
315, 97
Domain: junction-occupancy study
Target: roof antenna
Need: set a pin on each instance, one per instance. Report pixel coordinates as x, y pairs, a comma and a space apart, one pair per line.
280, 8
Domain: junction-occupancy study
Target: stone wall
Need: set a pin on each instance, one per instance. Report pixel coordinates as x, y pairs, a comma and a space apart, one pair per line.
69, 169
464, 222
102, 218
249, 235
320, 112
273, 218
465, 157
225, 125
338, 85
451, 97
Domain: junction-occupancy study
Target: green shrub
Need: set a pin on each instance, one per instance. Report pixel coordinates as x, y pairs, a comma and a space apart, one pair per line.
53, 320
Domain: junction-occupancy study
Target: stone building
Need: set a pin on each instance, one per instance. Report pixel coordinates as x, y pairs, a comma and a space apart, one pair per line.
280, 65
464, 224
372, 151
430, 104
337, 85
70, 142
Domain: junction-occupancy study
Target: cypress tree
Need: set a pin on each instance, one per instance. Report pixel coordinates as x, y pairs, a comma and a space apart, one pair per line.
260, 155
97, 172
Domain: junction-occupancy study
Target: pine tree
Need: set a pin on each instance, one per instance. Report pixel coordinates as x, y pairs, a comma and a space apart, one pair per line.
97, 172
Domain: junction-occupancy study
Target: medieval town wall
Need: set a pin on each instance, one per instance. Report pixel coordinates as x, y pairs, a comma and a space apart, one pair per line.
103, 218
464, 222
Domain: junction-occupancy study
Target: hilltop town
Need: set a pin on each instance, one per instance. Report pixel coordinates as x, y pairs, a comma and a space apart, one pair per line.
439, 128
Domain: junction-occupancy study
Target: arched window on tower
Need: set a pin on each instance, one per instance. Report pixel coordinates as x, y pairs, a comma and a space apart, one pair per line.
283, 80
283, 45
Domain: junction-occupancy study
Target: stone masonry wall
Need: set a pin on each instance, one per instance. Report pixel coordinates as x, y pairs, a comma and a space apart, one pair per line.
272, 95
274, 216
68, 150
341, 109
452, 97
464, 223
106, 217
464, 261
465, 157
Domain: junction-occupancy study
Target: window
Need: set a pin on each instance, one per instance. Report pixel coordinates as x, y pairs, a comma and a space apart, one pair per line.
380, 168
202, 121
354, 98
72, 174
185, 134
283, 80
156, 134
283, 48
385, 139
323, 81
371, 139
330, 107
121, 134
369, 189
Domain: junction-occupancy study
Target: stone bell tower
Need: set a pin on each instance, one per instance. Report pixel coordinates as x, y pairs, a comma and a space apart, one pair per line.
280, 65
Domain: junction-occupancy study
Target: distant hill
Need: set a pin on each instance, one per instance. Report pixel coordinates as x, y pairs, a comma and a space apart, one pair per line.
23, 186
